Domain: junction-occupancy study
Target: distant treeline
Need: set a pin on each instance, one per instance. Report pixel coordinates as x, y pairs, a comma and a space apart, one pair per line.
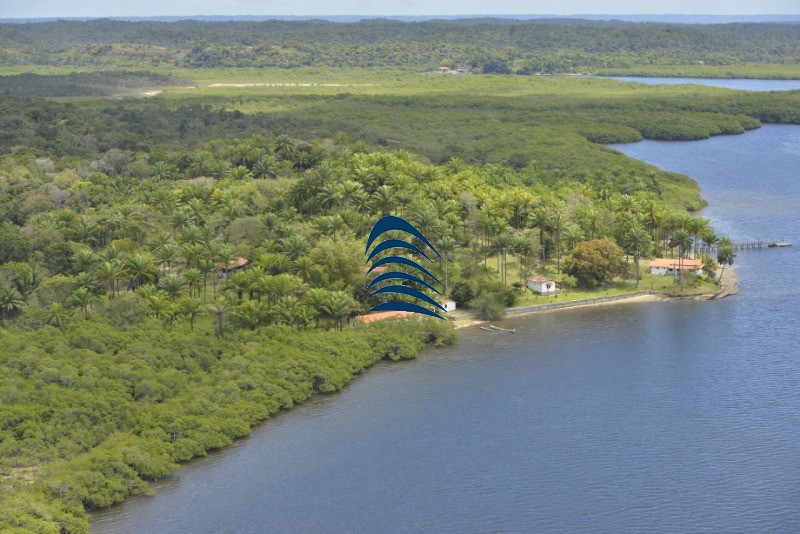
485, 45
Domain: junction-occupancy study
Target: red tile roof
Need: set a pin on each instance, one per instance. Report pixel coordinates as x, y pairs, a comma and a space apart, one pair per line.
380, 316
671, 263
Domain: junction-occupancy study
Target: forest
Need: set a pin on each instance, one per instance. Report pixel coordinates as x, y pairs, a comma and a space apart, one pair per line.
500, 46
182, 247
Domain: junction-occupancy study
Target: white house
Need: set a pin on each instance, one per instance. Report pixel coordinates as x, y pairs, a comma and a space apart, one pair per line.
448, 305
672, 267
543, 286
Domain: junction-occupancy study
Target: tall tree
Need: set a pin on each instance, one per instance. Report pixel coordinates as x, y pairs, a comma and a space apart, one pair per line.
682, 240
636, 242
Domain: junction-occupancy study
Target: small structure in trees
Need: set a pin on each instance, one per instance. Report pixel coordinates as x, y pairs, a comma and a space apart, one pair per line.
673, 267
543, 286
233, 266
448, 304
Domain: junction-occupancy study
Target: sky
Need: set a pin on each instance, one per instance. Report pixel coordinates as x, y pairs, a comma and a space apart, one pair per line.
146, 8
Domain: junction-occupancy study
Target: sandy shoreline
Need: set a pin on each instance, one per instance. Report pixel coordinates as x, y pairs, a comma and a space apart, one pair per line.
728, 286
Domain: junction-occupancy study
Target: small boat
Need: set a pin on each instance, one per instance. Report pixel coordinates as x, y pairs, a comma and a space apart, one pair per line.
780, 244
506, 330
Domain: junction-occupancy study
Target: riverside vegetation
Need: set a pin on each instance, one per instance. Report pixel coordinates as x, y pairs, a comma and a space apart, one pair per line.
123, 351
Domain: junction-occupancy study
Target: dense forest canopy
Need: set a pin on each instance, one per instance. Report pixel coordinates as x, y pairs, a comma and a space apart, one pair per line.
488, 45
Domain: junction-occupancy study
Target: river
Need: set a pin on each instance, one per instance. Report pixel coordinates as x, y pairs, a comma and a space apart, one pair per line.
746, 84
663, 416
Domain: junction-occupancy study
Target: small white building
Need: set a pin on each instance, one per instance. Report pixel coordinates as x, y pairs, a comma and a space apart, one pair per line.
543, 286
448, 305
672, 267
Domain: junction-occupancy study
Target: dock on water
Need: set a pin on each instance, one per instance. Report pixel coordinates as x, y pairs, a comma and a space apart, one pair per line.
747, 245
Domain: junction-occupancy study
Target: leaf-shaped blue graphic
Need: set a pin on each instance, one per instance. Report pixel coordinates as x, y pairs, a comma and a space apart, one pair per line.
390, 222
395, 243
408, 291
396, 275
406, 307
403, 261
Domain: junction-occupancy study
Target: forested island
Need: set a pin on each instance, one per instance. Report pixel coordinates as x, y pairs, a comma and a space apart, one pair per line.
182, 248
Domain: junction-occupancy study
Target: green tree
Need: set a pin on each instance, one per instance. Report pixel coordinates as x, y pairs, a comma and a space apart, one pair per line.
11, 300
594, 262
682, 240
725, 255
191, 307
636, 242
338, 306
56, 315
82, 298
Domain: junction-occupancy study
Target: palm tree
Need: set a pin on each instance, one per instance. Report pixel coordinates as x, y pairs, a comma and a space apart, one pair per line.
140, 270
557, 223
725, 255
172, 285
158, 305
709, 239
383, 199
112, 271
10, 301
304, 316
286, 309
191, 307
251, 314
636, 241
501, 245
681, 239
219, 308
294, 246
304, 267
316, 298
572, 235
447, 246
697, 225
266, 167
88, 282
56, 315
85, 260
540, 218
192, 277
338, 306
82, 298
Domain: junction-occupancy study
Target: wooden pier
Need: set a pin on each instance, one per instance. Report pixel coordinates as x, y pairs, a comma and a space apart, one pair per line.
746, 245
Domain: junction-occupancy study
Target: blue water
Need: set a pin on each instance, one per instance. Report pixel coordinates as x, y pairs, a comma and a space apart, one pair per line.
746, 84
664, 416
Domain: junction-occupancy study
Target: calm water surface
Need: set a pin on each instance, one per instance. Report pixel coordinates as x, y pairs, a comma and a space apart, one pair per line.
668, 417
747, 84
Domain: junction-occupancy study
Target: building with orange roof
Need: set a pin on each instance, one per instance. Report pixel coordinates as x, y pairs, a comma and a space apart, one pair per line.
673, 267
382, 316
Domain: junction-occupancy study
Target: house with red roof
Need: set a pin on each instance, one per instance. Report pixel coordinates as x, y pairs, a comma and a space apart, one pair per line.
674, 267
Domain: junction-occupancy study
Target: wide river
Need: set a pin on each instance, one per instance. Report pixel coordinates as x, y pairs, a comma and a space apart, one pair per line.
664, 416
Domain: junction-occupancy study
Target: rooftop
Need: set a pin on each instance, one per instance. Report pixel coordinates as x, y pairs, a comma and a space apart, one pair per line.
539, 280
672, 263
380, 316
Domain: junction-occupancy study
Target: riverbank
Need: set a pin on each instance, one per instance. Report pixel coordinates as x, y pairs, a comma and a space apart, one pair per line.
728, 286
